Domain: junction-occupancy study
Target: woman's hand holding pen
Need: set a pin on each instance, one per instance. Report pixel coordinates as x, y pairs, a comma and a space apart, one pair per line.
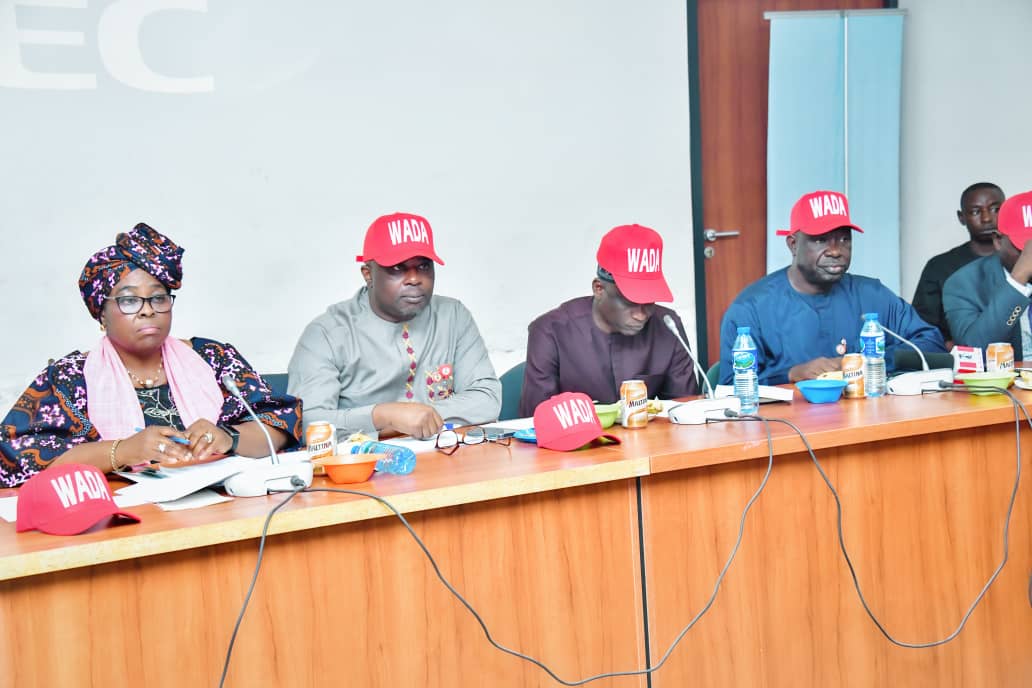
155, 443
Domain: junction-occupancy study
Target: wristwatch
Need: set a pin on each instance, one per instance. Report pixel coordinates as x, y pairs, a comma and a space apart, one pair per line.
234, 435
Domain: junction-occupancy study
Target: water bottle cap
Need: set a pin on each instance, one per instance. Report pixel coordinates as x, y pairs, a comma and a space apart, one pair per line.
870, 316
744, 329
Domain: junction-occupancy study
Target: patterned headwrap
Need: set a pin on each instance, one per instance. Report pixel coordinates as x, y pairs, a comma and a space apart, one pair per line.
144, 248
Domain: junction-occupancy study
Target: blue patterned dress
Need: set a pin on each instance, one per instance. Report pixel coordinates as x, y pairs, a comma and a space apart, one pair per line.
50, 416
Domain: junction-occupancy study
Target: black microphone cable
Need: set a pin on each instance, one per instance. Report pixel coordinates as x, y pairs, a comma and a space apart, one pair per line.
1018, 406
1019, 409
469, 607
299, 486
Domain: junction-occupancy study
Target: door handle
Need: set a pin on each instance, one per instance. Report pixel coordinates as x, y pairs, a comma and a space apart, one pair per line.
713, 235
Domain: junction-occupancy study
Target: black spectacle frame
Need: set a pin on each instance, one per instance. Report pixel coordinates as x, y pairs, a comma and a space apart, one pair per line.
131, 305
449, 441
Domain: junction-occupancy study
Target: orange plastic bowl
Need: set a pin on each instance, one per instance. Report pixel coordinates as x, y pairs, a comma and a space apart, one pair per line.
351, 468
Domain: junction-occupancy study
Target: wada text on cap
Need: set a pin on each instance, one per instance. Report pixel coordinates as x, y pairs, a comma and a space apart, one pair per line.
567, 421
66, 500
393, 239
819, 212
633, 255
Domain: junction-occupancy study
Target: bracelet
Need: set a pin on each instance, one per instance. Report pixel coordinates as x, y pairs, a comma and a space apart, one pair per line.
111, 455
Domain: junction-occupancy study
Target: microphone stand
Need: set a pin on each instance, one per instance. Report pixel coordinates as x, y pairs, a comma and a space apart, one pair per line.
262, 476
230, 384
699, 411
917, 382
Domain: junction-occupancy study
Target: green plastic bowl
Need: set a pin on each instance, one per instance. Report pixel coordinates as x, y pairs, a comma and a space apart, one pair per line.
1000, 379
607, 413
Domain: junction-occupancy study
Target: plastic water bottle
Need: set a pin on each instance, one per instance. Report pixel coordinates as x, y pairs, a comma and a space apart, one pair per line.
872, 346
398, 460
747, 382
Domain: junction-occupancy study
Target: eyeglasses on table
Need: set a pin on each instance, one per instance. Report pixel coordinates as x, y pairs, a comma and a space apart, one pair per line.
449, 441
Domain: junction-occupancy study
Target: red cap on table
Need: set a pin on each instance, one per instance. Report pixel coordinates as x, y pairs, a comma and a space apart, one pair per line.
66, 500
567, 421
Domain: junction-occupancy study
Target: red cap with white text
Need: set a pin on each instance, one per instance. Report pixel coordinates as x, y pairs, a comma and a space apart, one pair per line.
567, 421
66, 500
1015, 219
633, 255
818, 213
393, 239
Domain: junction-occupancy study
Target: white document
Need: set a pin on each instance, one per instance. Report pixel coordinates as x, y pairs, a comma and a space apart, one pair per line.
179, 482
9, 508
195, 501
514, 424
123, 502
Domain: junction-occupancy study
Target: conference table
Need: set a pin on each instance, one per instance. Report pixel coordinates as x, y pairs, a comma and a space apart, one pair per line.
591, 561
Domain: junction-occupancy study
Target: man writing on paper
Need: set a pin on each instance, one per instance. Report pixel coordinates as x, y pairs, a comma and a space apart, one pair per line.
979, 205
806, 316
987, 301
395, 357
593, 343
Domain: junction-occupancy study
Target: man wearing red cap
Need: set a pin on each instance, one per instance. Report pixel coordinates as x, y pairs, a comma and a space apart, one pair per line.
979, 205
806, 316
593, 343
987, 301
395, 357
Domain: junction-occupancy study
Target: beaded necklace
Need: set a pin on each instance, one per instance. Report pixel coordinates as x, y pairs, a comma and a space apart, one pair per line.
147, 383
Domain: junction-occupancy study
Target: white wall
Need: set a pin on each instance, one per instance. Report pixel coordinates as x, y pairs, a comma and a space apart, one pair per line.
264, 137
967, 115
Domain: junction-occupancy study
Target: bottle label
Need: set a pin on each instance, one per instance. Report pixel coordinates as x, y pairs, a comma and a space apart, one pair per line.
744, 359
873, 345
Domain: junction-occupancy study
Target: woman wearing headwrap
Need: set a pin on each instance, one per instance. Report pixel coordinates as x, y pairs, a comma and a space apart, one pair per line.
140, 395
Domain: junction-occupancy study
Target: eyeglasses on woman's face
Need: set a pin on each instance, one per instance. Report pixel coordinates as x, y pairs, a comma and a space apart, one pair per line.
131, 305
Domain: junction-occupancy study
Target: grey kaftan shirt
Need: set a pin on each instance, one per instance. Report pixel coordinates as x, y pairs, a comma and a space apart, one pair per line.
349, 359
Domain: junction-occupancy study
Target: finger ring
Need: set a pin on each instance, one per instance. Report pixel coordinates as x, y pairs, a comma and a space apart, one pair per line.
209, 437
161, 447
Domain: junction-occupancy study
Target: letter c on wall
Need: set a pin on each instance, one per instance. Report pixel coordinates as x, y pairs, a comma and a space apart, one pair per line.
118, 37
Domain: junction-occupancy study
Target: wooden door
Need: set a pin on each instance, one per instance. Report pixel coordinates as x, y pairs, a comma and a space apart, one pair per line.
733, 48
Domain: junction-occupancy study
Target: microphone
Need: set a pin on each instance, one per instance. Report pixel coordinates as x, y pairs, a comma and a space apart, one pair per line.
698, 411
259, 478
920, 354
925, 380
231, 386
668, 320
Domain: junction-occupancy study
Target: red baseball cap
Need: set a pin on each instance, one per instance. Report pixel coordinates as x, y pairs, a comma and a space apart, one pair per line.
818, 213
567, 421
1015, 219
633, 255
66, 500
393, 239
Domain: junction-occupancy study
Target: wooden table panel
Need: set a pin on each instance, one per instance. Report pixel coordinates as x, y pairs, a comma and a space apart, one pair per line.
923, 521
555, 575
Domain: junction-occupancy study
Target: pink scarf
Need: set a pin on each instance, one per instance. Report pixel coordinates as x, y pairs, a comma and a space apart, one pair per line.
113, 406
